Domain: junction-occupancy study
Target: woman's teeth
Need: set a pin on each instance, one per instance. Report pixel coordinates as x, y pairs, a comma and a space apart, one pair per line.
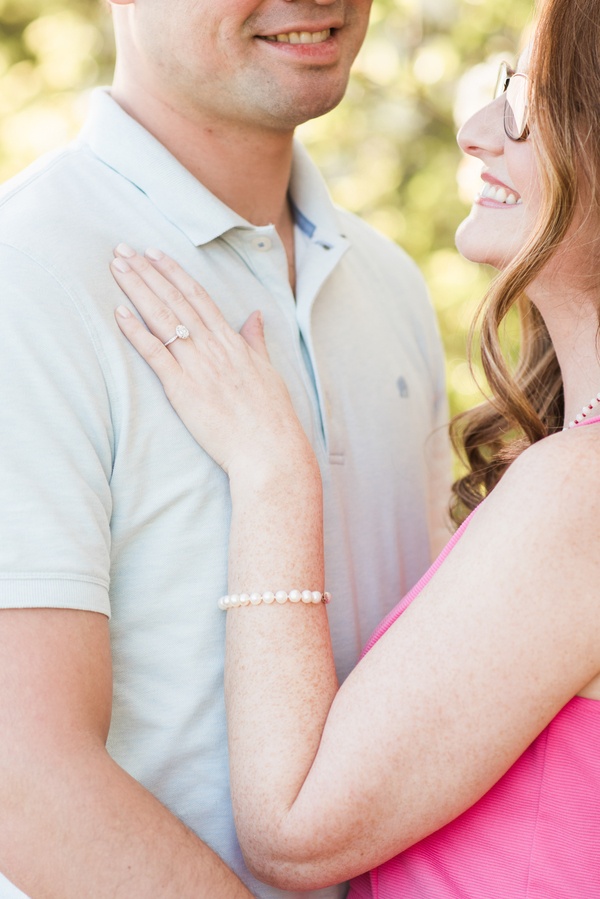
500, 195
300, 37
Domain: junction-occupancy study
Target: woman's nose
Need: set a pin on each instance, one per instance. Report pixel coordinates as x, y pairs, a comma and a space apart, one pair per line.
483, 133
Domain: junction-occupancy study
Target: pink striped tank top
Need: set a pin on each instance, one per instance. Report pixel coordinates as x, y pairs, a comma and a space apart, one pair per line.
534, 835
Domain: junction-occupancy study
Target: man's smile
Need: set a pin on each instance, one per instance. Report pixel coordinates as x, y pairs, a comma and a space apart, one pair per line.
300, 37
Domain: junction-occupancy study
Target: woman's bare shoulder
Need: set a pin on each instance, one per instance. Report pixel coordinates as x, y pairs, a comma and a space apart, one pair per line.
568, 456
553, 483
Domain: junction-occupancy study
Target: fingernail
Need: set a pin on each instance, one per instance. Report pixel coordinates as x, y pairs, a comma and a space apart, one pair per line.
124, 250
121, 265
152, 253
261, 320
123, 312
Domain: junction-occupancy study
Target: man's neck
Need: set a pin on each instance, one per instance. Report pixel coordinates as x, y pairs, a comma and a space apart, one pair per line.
246, 168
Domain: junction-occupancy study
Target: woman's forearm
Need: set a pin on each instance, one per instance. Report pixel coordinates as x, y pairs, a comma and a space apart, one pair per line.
280, 680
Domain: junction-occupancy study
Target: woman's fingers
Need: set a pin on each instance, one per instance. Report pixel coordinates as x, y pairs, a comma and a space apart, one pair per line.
253, 333
166, 297
162, 306
150, 348
194, 293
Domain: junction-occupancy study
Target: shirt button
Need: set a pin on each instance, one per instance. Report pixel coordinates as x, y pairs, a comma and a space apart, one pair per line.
262, 244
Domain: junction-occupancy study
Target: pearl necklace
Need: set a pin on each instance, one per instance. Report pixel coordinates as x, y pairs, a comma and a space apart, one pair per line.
584, 412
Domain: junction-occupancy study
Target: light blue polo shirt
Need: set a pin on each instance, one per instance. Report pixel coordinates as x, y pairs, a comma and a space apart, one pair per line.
108, 503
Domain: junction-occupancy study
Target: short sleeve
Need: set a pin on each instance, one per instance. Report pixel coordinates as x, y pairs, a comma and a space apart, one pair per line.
55, 446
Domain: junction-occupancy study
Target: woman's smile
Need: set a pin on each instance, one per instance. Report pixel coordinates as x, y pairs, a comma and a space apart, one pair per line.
495, 194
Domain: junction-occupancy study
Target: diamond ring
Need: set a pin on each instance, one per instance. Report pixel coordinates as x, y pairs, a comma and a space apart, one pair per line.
180, 331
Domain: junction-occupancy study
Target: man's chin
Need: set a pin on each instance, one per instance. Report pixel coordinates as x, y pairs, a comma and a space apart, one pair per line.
286, 115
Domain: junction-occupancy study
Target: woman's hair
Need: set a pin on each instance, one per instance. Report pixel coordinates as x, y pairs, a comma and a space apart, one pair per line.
526, 402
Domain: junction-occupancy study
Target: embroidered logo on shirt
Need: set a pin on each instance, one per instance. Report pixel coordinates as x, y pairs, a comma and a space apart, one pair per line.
402, 388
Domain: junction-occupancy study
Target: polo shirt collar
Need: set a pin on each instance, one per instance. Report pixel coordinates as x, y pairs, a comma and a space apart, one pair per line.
128, 148
314, 212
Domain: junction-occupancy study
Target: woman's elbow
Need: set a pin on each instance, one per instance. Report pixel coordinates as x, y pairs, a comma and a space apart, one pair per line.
287, 867
289, 875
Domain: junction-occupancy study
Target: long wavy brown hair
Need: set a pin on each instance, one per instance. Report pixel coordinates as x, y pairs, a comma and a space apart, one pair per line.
526, 399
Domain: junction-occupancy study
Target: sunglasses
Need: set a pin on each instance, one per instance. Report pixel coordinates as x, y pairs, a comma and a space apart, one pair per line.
514, 86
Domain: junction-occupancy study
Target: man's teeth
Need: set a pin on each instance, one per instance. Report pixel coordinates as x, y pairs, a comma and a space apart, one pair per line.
301, 37
500, 194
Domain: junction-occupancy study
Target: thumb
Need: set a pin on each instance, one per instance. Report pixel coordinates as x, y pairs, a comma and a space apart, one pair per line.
253, 333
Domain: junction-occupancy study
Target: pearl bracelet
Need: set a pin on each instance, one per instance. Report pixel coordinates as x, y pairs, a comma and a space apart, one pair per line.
255, 599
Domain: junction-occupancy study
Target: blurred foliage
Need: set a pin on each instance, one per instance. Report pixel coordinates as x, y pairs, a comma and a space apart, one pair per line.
388, 152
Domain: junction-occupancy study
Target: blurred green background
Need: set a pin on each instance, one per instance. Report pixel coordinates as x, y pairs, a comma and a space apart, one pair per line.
388, 152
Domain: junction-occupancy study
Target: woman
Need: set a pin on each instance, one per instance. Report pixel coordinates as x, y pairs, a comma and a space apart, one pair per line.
459, 759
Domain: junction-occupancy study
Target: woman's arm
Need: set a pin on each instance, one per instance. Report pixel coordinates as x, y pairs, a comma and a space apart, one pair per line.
504, 635
328, 785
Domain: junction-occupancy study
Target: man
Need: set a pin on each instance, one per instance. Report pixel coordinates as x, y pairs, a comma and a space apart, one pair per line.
113, 754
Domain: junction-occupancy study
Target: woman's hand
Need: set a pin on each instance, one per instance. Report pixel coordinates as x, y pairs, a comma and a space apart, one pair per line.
219, 382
